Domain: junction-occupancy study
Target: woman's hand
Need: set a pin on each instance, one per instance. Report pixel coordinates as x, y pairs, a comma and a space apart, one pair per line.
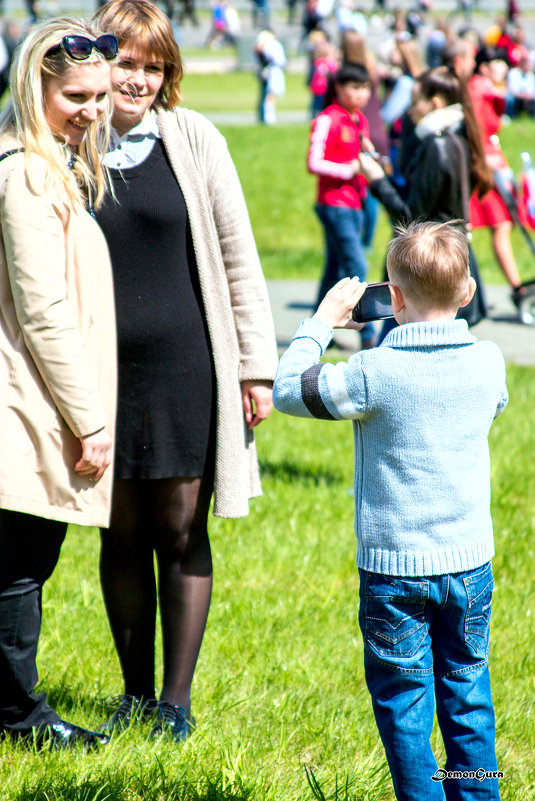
257, 401
337, 306
96, 455
370, 168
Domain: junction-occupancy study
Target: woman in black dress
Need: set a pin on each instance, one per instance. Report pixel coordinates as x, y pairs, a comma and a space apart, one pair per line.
197, 357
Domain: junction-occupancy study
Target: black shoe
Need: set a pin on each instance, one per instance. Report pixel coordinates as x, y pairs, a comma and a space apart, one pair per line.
65, 735
518, 293
173, 721
131, 710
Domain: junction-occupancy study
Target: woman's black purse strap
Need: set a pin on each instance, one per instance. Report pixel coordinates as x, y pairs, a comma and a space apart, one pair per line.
11, 153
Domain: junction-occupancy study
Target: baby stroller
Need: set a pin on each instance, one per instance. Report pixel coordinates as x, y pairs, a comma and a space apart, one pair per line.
521, 206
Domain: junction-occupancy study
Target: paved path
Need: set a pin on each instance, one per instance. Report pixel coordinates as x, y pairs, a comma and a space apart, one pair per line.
292, 300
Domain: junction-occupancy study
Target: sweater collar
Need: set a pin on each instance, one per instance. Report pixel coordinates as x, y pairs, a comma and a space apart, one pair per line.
429, 334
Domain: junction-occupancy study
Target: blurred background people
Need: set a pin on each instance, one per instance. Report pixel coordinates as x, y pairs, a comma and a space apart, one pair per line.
444, 162
271, 59
337, 137
408, 62
324, 64
520, 90
225, 25
487, 87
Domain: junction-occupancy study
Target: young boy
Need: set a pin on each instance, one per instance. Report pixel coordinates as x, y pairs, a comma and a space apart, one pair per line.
422, 405
338, 135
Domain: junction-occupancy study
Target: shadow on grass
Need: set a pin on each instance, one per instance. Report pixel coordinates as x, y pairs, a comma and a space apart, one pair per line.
291, 471
117, 788
73, 699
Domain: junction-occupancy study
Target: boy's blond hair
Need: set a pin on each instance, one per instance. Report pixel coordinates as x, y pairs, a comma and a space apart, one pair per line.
429, 262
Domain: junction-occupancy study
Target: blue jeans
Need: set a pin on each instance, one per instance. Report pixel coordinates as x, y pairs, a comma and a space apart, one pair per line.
370, 212
343, 251
426, 640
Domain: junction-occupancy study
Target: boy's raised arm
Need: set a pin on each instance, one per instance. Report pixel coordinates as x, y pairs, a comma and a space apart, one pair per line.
304, 387
303, 353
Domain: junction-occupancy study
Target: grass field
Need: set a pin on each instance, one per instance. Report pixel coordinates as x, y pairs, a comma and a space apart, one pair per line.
280, 682
238, 91
280, 687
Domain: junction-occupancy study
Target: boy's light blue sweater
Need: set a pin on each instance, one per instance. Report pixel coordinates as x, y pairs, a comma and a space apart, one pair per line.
422, 405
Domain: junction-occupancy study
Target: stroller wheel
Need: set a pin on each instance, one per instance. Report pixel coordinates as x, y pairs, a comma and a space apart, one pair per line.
526, 310
524, 300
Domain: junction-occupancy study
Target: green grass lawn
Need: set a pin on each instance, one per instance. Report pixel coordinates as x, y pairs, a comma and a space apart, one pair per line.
238, 91
280, 682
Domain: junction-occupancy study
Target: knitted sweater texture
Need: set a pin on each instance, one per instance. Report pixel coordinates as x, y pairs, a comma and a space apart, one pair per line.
422, 405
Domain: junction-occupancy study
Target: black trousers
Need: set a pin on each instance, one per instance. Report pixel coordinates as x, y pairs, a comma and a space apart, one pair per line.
29, 552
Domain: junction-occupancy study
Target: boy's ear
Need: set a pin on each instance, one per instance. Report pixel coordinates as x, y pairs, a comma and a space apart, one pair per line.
470, 293
398, 301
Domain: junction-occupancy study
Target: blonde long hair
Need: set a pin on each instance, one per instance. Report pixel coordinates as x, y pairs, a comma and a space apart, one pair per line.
31, 70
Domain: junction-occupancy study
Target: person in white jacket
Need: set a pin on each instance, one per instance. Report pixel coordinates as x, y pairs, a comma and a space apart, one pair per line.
272, 60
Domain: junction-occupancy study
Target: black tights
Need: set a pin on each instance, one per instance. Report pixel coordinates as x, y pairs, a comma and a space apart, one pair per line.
168, 517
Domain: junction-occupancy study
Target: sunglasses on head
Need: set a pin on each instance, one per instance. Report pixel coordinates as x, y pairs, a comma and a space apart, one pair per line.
80, 47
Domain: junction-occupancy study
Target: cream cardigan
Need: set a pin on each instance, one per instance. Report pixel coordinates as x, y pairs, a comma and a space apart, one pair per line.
233, 290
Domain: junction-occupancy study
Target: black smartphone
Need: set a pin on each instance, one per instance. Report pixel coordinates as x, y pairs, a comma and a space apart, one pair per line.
375, 304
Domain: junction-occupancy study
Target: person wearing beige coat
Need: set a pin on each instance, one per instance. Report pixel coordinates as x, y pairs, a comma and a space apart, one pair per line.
187, 277
57, 344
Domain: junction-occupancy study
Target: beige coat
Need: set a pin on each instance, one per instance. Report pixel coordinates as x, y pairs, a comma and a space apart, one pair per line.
234, 293
57, 349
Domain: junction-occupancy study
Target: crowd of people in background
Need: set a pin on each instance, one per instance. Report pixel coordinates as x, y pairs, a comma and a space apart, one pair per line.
409, 40
496, 64
328, 25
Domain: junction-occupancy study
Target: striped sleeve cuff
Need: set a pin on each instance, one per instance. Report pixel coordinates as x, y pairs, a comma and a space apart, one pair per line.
311, 395
315, 329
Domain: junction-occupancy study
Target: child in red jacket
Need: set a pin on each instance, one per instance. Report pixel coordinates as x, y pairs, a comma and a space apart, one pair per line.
338, 136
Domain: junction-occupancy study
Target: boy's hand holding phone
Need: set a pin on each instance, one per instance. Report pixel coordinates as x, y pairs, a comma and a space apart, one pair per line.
337, 306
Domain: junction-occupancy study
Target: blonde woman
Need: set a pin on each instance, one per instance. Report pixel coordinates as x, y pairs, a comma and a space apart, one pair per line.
197, 356
57, 342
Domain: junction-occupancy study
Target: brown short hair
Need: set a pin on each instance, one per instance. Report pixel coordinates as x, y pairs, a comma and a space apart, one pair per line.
429, 261
143, 25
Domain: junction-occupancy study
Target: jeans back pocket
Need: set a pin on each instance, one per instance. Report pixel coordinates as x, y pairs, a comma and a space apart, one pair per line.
392, 614
479, 587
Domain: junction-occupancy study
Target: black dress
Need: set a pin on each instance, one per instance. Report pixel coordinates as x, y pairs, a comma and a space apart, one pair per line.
166, 377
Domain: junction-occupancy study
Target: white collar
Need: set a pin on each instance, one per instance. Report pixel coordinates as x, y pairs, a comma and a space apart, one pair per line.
439, 119
147, 128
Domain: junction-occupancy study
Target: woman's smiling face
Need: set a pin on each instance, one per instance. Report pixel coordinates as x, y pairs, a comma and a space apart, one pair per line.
76, 99
136, 79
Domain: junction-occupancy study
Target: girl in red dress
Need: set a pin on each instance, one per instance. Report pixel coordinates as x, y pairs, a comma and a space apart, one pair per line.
490, 210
